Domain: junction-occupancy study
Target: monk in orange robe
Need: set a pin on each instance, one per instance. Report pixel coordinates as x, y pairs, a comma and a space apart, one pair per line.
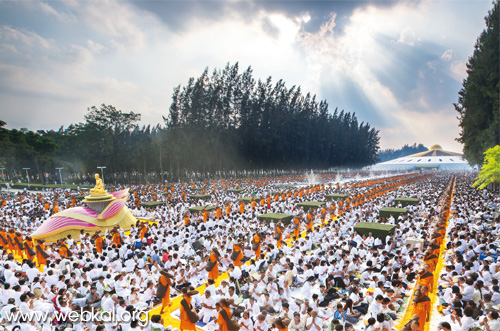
98, 242
242, 207
214, 257
296, 224
10, 240
163, 290
237, 249
323, 214
63, 250
226, 310
256, 240
218, 213
28, 247
422, 308
278, 235
144, 229
186, 324
117, 239
18, 240
228, 210
310, 222
426, 278
40, 256
431, 260
282, 324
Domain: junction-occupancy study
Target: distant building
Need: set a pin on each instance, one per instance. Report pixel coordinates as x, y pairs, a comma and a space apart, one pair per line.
434, 158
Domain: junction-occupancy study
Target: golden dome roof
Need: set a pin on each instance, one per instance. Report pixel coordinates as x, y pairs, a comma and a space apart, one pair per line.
436, 148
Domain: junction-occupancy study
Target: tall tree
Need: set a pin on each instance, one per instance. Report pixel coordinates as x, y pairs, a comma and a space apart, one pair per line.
478, 103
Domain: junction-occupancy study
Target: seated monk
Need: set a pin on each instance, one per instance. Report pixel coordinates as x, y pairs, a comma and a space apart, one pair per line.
99, 186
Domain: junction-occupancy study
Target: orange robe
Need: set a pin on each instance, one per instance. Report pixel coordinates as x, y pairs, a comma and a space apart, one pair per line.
422, 307
98, 244
117, 240
143, 232
237, 262
39, 257
256, 239
185, 323
427, 279
30, 245
310, 222
19, 251
165, 301
214, 273
63, 251
278, 243
296, 232
218, 213
242, 208
221, 321
432, 262
10, 240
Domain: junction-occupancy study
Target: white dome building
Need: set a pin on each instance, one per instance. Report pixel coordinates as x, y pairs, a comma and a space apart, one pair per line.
434, 158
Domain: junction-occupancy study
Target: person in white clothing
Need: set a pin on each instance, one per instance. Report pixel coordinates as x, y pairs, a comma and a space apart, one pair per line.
314, 323
246, 323
208, 309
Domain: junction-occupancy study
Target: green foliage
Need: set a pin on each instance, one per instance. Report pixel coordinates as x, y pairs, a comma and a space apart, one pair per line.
490, 171
228, 120
478, 103
391, 154
219, 123
19, 149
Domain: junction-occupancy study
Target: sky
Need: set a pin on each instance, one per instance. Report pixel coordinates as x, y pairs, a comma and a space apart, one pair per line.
398, 65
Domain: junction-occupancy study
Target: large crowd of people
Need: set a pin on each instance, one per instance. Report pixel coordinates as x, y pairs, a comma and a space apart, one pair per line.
310, 273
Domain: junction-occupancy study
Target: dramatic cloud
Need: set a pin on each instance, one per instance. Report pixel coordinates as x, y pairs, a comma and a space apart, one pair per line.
398, 65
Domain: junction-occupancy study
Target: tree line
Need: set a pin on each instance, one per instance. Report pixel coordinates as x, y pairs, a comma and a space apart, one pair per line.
217, 123
391, 153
